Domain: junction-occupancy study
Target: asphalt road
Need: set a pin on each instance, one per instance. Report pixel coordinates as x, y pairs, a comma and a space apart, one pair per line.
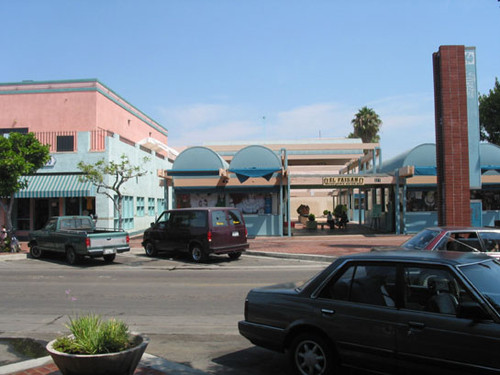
189, 311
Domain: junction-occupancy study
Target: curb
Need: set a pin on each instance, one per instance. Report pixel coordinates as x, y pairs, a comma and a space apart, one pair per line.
309, 257
147, 360
13, 256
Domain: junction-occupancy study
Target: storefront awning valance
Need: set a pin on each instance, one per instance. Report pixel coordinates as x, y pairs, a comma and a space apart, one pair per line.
54, 186
245, 173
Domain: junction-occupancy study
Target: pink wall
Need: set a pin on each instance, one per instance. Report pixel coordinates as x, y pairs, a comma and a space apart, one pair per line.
51, 111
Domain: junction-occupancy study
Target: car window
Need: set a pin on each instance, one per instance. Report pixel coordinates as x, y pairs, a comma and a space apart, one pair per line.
179, 220
462, 241
163, 220
485, 276
234, 217
421, 239
198, 219
371, 284
491, 241
219, 218
433, 289
51, 225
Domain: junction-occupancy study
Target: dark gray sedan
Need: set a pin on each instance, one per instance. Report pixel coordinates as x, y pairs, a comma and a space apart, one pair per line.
386, 312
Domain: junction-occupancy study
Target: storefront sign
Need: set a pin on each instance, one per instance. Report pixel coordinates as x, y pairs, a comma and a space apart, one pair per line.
343, 181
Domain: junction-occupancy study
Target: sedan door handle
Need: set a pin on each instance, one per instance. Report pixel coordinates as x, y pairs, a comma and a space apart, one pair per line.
327, 311
414, 327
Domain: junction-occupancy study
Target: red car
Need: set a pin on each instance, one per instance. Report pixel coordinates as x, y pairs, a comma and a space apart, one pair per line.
463, 239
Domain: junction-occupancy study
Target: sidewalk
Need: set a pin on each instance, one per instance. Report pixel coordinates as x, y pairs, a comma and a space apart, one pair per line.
322, 245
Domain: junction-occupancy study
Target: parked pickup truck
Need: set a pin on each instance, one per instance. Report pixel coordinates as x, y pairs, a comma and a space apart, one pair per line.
77, 237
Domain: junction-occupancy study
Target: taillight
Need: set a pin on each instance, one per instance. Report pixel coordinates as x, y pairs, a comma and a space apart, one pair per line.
87, 242
128, 239
246, 232
245, 313
209, 236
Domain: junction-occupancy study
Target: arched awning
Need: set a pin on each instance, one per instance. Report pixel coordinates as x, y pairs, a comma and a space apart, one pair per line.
255, 161
198, 161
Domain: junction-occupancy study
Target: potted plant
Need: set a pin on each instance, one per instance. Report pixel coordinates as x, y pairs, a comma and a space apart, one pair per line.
311, 222
97, 347
303, 211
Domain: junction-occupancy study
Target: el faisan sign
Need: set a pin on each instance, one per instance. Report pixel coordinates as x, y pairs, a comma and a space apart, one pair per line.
343, 181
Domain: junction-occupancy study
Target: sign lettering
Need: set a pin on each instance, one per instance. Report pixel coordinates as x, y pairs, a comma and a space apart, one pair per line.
343, 181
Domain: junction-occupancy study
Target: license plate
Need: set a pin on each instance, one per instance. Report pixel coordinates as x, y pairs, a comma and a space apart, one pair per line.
109, 251
236, 234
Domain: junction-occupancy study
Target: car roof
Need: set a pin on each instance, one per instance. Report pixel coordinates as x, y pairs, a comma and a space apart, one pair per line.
439, 257
458, 228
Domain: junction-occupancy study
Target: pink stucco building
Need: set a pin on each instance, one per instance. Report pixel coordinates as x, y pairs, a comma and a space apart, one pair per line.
83, 120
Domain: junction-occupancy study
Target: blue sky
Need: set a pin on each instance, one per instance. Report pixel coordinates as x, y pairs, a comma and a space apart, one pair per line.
233, 70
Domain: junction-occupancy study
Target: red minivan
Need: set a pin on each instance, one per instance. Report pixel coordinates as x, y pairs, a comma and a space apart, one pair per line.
199, 232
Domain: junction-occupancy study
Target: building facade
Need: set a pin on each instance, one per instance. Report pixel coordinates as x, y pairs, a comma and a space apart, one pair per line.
83, 120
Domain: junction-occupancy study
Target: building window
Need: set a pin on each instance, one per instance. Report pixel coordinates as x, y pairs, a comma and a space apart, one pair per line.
127, 213
160, 206
140, 206
6, 131
65, 143
151, 206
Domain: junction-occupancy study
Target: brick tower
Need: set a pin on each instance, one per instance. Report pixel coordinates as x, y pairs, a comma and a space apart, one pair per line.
452, 138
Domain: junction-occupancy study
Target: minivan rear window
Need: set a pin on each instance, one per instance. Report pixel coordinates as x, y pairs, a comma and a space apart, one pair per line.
234, 217
219, 218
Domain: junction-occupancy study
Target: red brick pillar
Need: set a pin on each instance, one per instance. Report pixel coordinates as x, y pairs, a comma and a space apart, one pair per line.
452, 145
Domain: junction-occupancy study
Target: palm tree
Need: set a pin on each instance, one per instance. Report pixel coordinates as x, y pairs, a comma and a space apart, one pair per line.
366, 125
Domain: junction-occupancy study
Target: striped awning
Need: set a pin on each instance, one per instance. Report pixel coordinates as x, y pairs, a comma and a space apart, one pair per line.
54, 186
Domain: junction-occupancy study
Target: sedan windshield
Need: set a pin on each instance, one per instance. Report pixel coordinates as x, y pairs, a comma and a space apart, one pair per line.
421, 239
485, 276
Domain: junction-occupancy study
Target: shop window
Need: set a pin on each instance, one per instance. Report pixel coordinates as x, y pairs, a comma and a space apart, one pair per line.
65, 143
490, 199
421, 200
72, 206
23, 214
140, 206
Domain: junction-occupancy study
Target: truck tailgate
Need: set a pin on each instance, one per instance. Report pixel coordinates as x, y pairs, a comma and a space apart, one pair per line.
105, 241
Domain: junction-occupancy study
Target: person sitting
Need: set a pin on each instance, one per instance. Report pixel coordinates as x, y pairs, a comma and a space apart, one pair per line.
330, 221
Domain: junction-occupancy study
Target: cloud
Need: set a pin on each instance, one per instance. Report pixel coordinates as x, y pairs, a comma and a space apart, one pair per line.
408, 121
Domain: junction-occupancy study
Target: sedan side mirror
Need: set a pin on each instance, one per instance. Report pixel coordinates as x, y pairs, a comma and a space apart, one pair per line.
471, 310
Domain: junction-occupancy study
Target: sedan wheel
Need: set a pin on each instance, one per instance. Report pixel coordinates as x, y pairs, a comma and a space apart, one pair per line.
311, 355
36, 252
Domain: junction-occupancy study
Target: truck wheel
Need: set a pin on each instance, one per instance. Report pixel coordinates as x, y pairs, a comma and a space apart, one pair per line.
71, 257
150, 249
36, 252
235, 255
109, 258
198, 254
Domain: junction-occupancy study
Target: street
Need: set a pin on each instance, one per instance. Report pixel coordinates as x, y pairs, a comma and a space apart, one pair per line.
189, 311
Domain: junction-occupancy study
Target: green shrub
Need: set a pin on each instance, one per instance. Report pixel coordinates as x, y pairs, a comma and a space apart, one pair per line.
90, 335
311, 217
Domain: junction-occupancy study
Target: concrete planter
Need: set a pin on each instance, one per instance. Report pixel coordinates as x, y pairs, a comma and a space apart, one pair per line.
120, 363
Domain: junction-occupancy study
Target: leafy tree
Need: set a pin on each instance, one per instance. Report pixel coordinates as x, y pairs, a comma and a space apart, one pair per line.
489, 115
119, 173
366, 125
20, 155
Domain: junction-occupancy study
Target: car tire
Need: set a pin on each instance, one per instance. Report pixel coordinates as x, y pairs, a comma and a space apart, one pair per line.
109, 258
198, 255
311, 354
150, 249
36, 252
72, 257
235, 255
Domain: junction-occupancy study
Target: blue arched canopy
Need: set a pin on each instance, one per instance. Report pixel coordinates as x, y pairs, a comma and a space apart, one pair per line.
255, 161
200, 161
